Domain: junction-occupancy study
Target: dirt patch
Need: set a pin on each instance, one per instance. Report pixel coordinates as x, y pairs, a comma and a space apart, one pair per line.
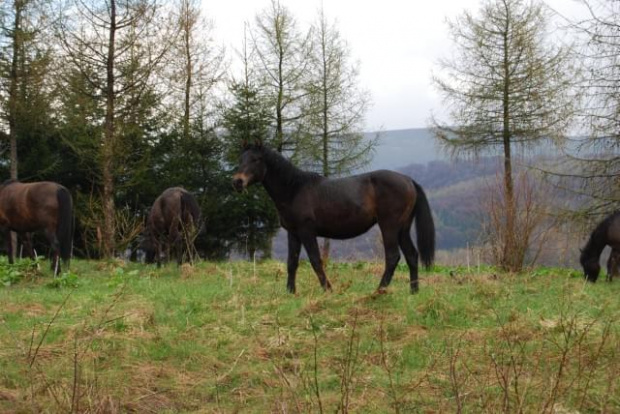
29, 309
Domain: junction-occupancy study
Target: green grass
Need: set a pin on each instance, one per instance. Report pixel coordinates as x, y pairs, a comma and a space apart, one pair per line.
227, 337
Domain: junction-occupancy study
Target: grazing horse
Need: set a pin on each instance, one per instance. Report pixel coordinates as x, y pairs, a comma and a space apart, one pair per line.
172, 223
30, 207
606, 233
310, 206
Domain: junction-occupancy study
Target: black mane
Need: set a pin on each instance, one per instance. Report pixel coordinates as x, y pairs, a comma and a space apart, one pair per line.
293, 177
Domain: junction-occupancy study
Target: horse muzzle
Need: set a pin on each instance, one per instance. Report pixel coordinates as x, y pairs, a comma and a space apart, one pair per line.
240, 182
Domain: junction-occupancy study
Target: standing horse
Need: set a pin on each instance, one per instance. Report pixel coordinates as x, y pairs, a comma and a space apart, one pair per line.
30, 207
606, 233
311, 206
172, 223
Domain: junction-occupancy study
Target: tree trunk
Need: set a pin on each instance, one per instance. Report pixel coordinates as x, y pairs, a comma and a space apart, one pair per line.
13, 99
109, 227
508, 262
188, 68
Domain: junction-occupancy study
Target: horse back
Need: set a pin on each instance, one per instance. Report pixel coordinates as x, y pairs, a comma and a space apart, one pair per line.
168, 210
27, 207
349, 206
377, 192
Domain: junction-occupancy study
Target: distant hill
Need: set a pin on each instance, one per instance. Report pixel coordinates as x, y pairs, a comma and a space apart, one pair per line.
399, 148
456, 190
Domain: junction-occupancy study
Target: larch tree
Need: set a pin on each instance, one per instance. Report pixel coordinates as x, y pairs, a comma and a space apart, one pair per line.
506, 88
116, 47
337, 106
281, 60
196, 65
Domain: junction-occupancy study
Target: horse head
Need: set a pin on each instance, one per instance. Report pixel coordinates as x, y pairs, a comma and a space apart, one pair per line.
252, 167
147, 245
591, 267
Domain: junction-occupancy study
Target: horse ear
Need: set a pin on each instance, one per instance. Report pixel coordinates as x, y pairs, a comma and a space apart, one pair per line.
244, 144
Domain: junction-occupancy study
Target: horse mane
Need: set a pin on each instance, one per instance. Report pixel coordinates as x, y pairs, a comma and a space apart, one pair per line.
293, 176
596, 242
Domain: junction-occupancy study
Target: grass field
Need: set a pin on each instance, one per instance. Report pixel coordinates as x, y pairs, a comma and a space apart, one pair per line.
226, 337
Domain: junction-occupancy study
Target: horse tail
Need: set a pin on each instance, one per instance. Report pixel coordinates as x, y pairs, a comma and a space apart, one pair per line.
424, 227
64, 229
190, 208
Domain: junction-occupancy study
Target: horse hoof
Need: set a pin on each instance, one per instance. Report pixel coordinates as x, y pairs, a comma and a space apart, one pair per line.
382, 290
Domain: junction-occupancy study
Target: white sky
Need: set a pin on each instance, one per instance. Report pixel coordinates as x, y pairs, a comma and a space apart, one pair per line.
397, 42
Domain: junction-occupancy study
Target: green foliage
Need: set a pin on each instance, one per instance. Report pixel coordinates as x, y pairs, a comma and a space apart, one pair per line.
11, 274
247, 121
64, 280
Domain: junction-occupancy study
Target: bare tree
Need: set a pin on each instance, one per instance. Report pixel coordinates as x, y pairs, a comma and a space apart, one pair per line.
595, 172
115, 45
282, 60
195, 66
506, 88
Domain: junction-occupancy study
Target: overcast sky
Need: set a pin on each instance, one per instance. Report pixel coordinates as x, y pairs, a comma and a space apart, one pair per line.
397, 42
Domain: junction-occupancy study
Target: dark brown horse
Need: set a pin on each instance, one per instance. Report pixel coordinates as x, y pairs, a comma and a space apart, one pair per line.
606, 233
31, 207
311, 206
172, 224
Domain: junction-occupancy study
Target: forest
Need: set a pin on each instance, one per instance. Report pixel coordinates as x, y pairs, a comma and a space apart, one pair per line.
119, 100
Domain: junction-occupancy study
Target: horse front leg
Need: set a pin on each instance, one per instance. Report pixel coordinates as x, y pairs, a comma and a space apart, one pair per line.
294, 247
314, 254
9, 245
27, 243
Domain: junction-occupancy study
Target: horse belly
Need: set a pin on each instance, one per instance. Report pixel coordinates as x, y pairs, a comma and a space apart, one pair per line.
345, 228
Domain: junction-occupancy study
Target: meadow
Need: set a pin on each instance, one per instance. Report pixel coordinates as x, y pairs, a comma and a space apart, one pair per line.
226, 337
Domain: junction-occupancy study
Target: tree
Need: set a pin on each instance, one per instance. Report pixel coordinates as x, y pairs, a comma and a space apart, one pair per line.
25, 62
115, 46
195, 67
281, 62
595, 172
248, 120
507, 89
337, 106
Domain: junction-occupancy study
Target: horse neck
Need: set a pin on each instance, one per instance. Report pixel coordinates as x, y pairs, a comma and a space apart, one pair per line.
594, 247
283, 180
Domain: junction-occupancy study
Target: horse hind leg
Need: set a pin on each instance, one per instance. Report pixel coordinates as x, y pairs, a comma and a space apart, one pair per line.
411, 256
612, 264
55, 253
